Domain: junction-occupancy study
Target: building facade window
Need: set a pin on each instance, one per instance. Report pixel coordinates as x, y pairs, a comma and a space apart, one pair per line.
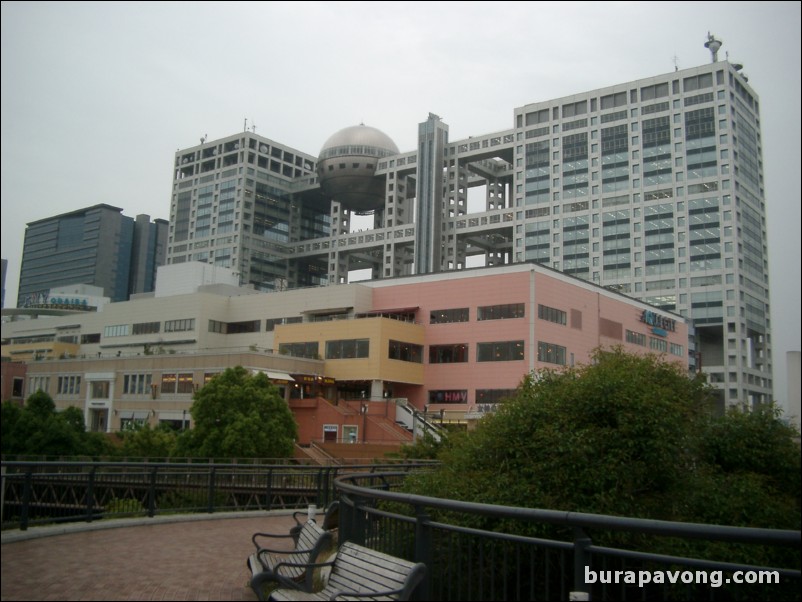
551, 314
500, 312
118, 330
347, 349
69, 385
551, 353
39, 383
448, 316
146, 328
310, 349
177, 383
493, 395
137, 384
100, 389
500, 351
636, 338
179, 325
448, 354
406, 352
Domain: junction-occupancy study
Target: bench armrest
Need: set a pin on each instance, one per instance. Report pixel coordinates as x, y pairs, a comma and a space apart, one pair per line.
303, 514
293, 551
270, 535
290, 583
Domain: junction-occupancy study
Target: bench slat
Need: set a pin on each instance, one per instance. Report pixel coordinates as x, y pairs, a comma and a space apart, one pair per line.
359, 570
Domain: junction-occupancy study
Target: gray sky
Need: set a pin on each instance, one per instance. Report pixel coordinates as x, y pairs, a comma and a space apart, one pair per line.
97, 97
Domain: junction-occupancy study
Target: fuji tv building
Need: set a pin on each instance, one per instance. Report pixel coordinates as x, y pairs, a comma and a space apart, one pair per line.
651, 188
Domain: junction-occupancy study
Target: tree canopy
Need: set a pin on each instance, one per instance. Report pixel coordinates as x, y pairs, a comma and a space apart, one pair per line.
626, 435
239, 415
37, 429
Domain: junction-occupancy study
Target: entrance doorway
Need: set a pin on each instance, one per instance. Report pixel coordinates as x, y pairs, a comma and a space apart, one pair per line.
330, 433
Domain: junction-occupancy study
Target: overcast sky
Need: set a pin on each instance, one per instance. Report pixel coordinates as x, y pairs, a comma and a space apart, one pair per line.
97, 97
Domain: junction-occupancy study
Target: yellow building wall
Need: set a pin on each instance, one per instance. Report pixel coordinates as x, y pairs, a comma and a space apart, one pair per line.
379, 331
28, 352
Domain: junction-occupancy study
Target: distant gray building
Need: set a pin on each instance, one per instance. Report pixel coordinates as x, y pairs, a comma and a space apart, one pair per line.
96, 245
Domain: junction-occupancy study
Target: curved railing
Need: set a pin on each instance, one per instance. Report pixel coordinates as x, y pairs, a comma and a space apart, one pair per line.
36, 493
487, 552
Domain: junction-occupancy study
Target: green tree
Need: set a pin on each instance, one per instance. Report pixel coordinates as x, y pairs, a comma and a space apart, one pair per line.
629, 436
148, 442
37, 429
626, 435
11, 414
239, 415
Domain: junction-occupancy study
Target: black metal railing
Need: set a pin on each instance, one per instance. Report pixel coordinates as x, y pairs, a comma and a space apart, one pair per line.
472, 551
487, 552
36, 493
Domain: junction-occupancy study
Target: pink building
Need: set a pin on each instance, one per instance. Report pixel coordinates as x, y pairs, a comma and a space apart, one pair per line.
356, 362
485, 329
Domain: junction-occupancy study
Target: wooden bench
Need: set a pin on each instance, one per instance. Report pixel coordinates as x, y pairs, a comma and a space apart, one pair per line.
331, 520
356, 573
309, 543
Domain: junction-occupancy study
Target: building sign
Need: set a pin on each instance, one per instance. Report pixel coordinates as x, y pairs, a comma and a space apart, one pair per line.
310, 379
661, 325
44, 300
458, 396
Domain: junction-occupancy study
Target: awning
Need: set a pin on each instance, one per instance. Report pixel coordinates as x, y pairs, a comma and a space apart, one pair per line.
273, 375
395, 310
329, 311
131, 415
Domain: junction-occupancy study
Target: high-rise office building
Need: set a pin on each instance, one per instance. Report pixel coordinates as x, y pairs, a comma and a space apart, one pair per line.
653, 188
96, 245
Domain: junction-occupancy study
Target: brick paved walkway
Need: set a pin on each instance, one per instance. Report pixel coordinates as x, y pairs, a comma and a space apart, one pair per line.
156, 559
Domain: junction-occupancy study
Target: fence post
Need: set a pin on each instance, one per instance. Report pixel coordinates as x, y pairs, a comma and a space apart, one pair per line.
212, 475
581, 560
90, 495
26, 500
269, 488
423, 551
152, 493
346, 519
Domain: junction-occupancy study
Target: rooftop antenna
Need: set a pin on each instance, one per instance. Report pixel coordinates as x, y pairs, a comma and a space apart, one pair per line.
245, 127
675, 59
713, 45
253, 128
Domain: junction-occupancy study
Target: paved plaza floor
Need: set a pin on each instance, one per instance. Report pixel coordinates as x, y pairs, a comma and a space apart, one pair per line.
198, 557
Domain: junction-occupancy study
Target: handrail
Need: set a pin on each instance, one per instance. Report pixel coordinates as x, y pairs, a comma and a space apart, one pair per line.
499, 562
346, 484
69, 491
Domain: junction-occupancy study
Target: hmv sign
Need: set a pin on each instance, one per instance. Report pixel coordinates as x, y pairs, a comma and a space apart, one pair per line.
453, 396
